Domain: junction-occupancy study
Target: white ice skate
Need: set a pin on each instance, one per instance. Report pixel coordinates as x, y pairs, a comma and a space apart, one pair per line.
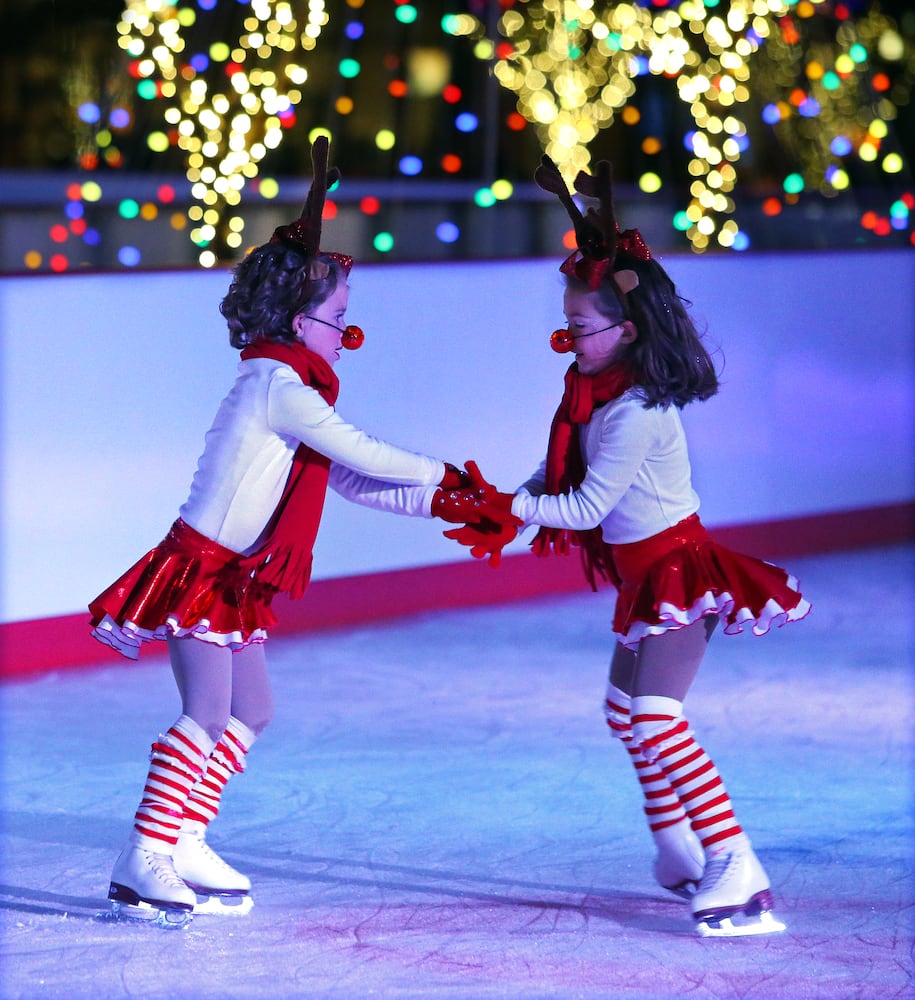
680, 861
733, 898
144, 887
219, 888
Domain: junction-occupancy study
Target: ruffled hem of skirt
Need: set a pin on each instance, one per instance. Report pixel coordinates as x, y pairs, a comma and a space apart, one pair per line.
720, 605
129, 638
188, 585
702, 578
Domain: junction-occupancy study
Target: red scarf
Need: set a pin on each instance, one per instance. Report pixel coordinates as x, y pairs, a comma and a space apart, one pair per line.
283, 561
565, 464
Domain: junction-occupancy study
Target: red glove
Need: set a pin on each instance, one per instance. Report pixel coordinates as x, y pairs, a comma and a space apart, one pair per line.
457, 506
454, 478
496, 506
469, 506
486, 539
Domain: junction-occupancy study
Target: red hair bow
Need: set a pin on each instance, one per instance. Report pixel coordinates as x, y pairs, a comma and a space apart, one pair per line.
630, 241
587, 269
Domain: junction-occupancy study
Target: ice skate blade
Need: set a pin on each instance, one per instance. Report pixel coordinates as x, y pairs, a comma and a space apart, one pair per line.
155, 916
761, 923
223, 905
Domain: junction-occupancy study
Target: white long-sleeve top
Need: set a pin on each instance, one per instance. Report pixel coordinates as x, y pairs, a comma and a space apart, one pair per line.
637, 481
249, 449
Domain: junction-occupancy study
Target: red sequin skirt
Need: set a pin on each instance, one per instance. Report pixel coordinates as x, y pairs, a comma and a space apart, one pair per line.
186, 585
680, 575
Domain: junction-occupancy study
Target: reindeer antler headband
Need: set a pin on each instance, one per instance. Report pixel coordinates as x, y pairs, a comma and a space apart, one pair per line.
305, 231
597, 232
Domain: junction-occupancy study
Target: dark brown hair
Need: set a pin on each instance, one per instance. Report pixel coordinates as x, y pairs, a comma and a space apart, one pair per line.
671, 362
271, 286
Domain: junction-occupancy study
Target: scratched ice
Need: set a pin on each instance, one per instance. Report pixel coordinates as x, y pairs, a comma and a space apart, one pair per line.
437, 811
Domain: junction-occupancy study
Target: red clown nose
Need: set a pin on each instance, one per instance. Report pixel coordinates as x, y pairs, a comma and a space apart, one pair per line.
353, 338
562, 341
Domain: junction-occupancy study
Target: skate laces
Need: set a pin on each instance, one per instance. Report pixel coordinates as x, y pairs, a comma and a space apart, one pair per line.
163, 868
715, 870
210, 855
720, 869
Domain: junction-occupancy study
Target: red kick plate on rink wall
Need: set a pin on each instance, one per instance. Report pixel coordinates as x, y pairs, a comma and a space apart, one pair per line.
42, 645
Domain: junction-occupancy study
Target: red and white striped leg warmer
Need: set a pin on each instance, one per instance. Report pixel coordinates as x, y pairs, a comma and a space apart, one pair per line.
227, 758
662, 805
177, 761
666, 740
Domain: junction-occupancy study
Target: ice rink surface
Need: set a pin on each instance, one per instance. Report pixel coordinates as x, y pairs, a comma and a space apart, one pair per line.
437, 811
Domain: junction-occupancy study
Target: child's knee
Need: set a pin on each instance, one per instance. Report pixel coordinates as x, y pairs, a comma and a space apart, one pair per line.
215, 727
258, 725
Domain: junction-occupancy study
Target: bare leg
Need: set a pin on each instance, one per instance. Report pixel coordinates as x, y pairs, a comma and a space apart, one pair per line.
667, 664
203, 673
622, 668
252, 695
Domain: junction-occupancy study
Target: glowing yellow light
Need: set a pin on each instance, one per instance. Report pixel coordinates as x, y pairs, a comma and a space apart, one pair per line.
567, 135
269, 188
157, 142
890, 45
650, 183
384, 139
815, 70
893, 163
845, 64
878, 128
543, 109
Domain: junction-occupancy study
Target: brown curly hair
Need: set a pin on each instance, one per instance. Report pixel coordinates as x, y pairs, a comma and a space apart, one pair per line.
271, 286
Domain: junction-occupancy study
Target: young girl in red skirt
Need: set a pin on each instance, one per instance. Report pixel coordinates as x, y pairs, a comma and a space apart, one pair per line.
246, 533
616, 482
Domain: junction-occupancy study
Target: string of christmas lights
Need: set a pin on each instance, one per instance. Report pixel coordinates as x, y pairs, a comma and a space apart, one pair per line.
576, 64
219, 85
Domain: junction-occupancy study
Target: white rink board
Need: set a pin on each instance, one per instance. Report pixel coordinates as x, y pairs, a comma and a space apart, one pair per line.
111, 380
